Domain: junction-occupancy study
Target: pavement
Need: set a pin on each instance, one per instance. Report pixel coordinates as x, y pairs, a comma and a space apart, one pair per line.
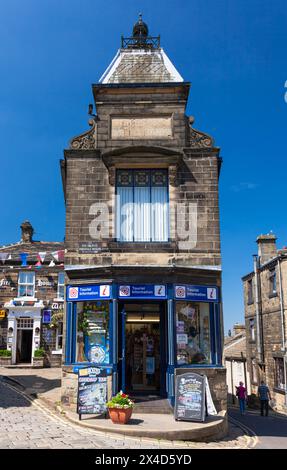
31, 417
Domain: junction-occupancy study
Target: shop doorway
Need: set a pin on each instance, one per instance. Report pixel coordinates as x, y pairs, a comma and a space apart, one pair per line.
24, 341
143, 348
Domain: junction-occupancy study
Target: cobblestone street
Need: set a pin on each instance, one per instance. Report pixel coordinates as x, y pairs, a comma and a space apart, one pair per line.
27, 424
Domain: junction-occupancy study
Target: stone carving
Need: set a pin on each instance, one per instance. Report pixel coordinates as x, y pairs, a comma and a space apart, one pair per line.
199, 139
85, 141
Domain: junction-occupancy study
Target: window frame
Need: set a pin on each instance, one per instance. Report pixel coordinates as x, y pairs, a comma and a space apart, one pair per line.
276, 369
57, 348
132, 185
250, 293
272, 282
27, 284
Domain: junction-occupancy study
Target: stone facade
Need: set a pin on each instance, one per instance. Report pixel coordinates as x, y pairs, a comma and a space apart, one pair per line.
265, 293
122, 137
15, 307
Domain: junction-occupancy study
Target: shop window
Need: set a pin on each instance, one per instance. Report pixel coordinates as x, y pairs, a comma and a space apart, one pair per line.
59, 336
279, 373
252, 329
93, 332
193, 333
61, 286
26, 284
250, 291
142, 206
272, 283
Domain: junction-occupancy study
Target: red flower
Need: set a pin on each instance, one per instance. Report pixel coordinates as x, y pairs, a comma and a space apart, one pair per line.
124, 395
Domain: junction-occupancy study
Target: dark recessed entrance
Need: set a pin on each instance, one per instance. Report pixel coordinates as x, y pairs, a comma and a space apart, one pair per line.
24, 346
143, 348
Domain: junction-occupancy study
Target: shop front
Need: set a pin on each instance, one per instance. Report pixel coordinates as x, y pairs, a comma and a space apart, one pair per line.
143, 333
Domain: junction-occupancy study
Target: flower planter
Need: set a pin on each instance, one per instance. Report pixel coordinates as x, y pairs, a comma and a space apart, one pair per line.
5, 361
120, 415
38, 362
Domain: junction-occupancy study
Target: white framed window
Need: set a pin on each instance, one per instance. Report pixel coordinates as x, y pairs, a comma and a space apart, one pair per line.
61, 286
272, 282
59, 337
142, 207
252, 329
26, 284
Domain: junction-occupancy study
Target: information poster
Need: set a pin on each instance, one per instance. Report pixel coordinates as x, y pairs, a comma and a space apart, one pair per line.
190, 397
92, 390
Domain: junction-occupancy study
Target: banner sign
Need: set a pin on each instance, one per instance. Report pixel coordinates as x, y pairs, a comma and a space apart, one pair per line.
196, 293
92, 390
89, 292
190, 397
142, 291
46, 316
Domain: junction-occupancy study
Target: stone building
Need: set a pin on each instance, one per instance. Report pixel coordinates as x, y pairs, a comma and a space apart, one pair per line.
234, 359
32, 283
143, 258
265, 304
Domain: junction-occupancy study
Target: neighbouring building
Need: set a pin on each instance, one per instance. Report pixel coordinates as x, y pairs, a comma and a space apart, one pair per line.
265, 304
32, 285
234, 355
143, 259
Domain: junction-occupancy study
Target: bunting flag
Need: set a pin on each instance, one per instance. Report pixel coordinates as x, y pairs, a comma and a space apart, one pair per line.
42, 256
4, 257
52, 263
38, 264
24, 259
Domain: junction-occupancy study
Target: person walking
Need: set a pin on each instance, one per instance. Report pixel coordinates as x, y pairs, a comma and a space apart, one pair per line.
242, 396
264, 397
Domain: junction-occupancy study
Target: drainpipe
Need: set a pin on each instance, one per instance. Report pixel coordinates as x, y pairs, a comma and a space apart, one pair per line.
283, 345
257, 297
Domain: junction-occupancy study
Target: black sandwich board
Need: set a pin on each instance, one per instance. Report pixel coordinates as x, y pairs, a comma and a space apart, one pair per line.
190, 397
92, 391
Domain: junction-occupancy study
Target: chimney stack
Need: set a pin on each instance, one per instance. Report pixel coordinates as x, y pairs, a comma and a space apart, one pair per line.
266, 247
27, 232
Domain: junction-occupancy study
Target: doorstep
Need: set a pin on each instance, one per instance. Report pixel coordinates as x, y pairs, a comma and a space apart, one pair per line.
156, 426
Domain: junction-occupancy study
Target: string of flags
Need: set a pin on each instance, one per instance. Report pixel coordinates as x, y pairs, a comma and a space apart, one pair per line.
57, 256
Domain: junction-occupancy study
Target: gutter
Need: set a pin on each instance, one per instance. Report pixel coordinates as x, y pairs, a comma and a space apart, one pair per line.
283, 346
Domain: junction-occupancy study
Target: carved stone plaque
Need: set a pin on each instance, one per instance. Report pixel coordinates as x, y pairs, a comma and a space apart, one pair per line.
141, 128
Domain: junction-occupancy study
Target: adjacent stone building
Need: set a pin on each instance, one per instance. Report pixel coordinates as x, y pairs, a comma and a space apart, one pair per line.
143, 258
32, 284
234, 358
265, 304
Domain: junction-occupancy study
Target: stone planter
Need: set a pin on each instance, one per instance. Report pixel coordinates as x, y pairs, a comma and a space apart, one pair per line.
120, 415
5, 361
38, 362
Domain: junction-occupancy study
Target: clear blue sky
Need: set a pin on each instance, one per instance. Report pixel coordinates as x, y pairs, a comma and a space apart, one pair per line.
233, 52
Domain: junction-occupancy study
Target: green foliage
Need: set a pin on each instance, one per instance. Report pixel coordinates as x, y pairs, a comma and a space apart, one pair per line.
5, 353
121, 400
39, 352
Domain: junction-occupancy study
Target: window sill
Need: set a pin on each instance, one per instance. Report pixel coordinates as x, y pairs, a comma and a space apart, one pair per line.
250, 302
142, 246
58, 300
57, 352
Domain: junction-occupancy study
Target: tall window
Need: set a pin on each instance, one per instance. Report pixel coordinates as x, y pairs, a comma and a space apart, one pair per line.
254, 375
272, 282
61, 286
252, 329
59, 336
26, 284
142, 205
279, 373
250, 291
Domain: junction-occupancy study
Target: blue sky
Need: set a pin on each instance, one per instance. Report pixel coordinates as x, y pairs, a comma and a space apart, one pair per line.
232, 51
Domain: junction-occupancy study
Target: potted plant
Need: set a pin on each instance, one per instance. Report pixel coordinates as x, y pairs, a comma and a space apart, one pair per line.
120, 408
5, 357
38, 359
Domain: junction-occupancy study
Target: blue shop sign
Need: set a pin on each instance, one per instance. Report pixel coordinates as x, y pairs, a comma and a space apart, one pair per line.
89, 292
196, 293
142, 291
46, 316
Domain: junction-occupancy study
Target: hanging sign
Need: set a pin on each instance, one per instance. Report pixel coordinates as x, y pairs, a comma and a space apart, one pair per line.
92, 390
190, 397
46, 316
2, 313
196, 293
89, 292
142, 291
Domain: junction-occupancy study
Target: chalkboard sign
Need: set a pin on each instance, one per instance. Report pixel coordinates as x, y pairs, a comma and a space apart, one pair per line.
92, 390
190, 397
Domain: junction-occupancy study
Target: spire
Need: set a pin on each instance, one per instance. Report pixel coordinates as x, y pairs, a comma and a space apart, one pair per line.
140, 38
